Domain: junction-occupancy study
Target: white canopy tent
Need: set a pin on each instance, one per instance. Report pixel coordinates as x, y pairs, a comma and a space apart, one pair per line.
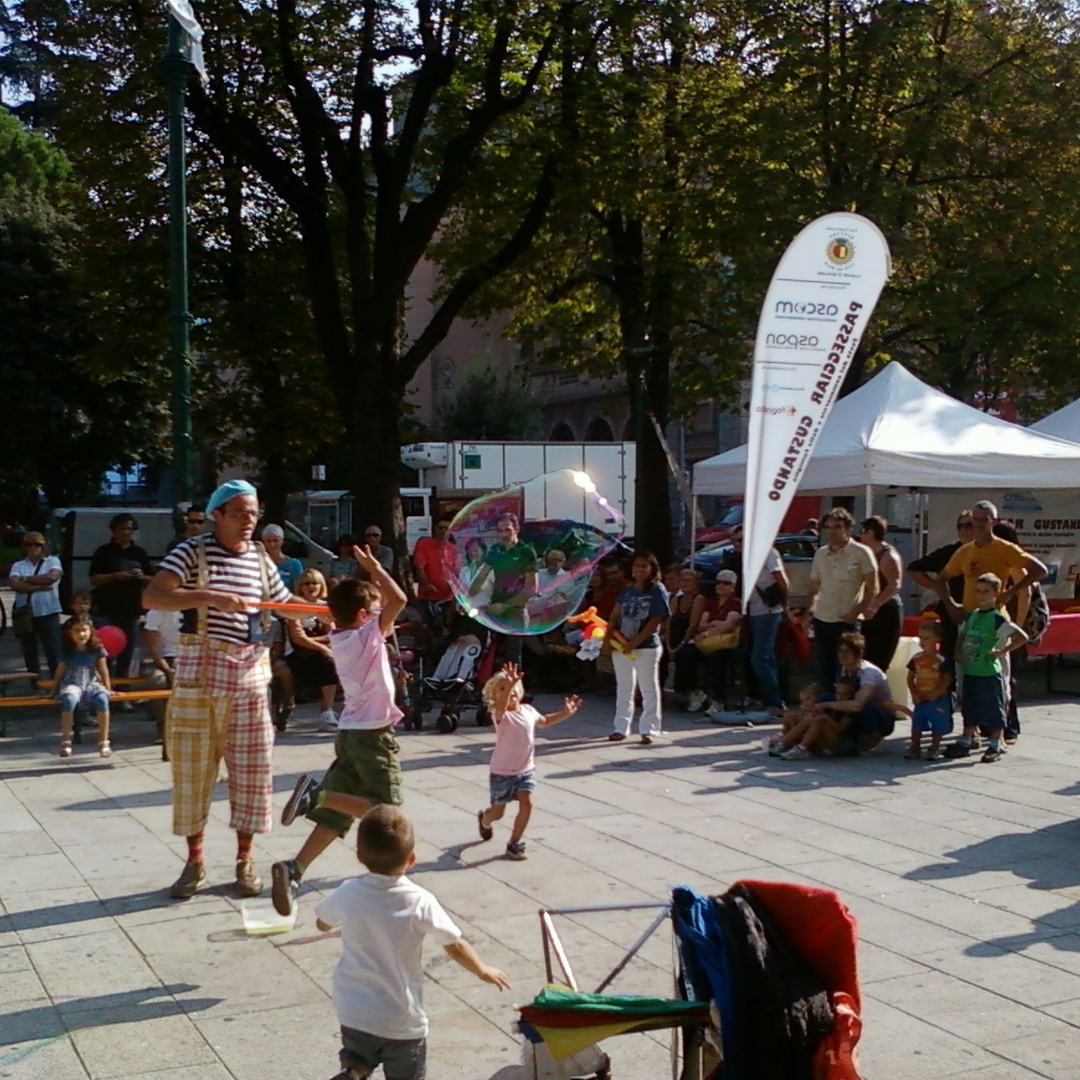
1063, 424
896, 430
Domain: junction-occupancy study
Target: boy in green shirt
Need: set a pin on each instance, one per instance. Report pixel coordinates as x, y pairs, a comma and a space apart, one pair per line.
986, 635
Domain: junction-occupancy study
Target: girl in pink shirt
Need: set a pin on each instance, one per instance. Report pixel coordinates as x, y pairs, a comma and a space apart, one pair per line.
512, 774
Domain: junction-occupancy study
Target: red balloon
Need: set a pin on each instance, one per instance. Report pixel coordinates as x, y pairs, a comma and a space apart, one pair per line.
113, 639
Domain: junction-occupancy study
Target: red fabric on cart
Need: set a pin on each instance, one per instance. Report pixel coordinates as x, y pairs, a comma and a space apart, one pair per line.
819, 927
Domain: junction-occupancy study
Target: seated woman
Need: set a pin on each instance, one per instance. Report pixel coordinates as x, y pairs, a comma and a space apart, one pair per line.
871, 711
720, 614
687, 607
310, 662
344, 566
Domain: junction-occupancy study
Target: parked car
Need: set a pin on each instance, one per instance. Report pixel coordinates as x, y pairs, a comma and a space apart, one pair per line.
796, 552
713, 534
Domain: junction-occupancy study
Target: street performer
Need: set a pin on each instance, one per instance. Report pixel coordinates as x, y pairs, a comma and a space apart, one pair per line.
219, 705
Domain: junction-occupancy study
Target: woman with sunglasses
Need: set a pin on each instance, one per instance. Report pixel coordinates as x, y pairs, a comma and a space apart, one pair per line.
36, 616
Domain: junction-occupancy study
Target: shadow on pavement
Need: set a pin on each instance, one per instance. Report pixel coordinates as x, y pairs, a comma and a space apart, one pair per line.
44, 1023
84, 910
163, 796
1042, 857
53, 770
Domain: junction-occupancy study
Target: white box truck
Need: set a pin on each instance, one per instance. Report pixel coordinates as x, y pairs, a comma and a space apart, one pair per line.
453, 473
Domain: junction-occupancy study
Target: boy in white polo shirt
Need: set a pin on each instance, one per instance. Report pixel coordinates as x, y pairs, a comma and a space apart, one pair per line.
379, 981
365, 771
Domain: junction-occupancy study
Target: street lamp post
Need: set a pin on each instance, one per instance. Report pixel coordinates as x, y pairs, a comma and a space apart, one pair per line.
176, 67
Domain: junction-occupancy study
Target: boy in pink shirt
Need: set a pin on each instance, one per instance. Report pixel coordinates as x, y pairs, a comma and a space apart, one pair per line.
512, 773
365, 771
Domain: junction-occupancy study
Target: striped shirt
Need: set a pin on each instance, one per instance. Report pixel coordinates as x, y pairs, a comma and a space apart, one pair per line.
235, 572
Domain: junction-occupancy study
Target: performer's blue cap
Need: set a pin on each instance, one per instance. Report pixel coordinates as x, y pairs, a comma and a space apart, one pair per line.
227, 491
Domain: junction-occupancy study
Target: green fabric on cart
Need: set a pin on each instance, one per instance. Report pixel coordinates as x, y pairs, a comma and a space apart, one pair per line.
553, 997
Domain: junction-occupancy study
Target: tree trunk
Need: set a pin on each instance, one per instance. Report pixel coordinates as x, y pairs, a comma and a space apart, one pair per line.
375, 470
652, 501
274, 488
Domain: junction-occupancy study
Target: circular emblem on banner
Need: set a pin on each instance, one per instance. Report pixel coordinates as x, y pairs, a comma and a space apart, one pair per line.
840, 250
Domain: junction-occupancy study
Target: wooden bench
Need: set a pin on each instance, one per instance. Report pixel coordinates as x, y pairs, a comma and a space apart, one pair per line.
30, 700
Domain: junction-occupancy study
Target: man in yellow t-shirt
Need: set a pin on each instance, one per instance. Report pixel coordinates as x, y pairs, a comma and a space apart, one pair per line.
987, 554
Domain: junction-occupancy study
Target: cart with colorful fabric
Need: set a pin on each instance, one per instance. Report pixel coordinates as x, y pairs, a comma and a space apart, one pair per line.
766, 988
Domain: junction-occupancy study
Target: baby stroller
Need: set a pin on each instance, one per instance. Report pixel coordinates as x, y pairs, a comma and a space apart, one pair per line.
456, 684
411, 642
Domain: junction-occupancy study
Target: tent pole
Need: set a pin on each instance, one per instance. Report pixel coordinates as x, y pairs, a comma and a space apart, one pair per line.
869, 503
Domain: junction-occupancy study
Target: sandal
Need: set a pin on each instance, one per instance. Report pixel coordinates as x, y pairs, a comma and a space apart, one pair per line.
65, 748
104, 748
913, 754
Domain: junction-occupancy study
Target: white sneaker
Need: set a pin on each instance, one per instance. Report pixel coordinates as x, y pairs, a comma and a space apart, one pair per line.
796, 753
328, 720
697, 701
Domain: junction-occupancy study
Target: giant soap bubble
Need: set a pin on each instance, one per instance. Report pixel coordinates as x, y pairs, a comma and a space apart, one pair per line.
525, 554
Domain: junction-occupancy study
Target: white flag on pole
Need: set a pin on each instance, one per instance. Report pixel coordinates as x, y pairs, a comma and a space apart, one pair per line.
822, 295
184, 14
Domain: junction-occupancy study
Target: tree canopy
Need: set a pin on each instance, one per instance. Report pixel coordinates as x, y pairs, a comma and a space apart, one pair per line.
619, 175
62, 427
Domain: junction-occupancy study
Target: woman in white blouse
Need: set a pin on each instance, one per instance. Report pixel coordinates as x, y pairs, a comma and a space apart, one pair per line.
34, 580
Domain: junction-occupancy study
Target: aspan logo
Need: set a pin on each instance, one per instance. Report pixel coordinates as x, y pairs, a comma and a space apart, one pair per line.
792, 341
776, 410
840, 250
805, 307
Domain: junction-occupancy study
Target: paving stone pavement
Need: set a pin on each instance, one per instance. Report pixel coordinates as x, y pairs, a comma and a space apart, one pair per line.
965, 880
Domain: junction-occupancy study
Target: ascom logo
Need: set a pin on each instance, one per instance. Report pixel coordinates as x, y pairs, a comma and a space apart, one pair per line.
803, 307
792, 341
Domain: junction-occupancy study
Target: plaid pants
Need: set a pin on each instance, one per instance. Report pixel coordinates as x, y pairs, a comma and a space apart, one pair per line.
219, 708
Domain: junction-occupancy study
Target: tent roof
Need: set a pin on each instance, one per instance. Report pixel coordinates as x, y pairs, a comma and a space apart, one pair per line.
1063, 424
897, 430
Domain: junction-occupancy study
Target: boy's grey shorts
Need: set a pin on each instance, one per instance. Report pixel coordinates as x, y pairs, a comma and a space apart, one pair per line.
401, 1059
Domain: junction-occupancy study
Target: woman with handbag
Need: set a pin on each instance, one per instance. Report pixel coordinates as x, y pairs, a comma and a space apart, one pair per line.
687, 607
35, 616
765, 603
632, 639
714, 641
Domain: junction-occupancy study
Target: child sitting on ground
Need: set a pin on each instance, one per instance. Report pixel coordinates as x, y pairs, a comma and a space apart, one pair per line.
985, 637
512, 773
83, 673
365, 770
822, 731
379, 980
795, 722
929, 682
